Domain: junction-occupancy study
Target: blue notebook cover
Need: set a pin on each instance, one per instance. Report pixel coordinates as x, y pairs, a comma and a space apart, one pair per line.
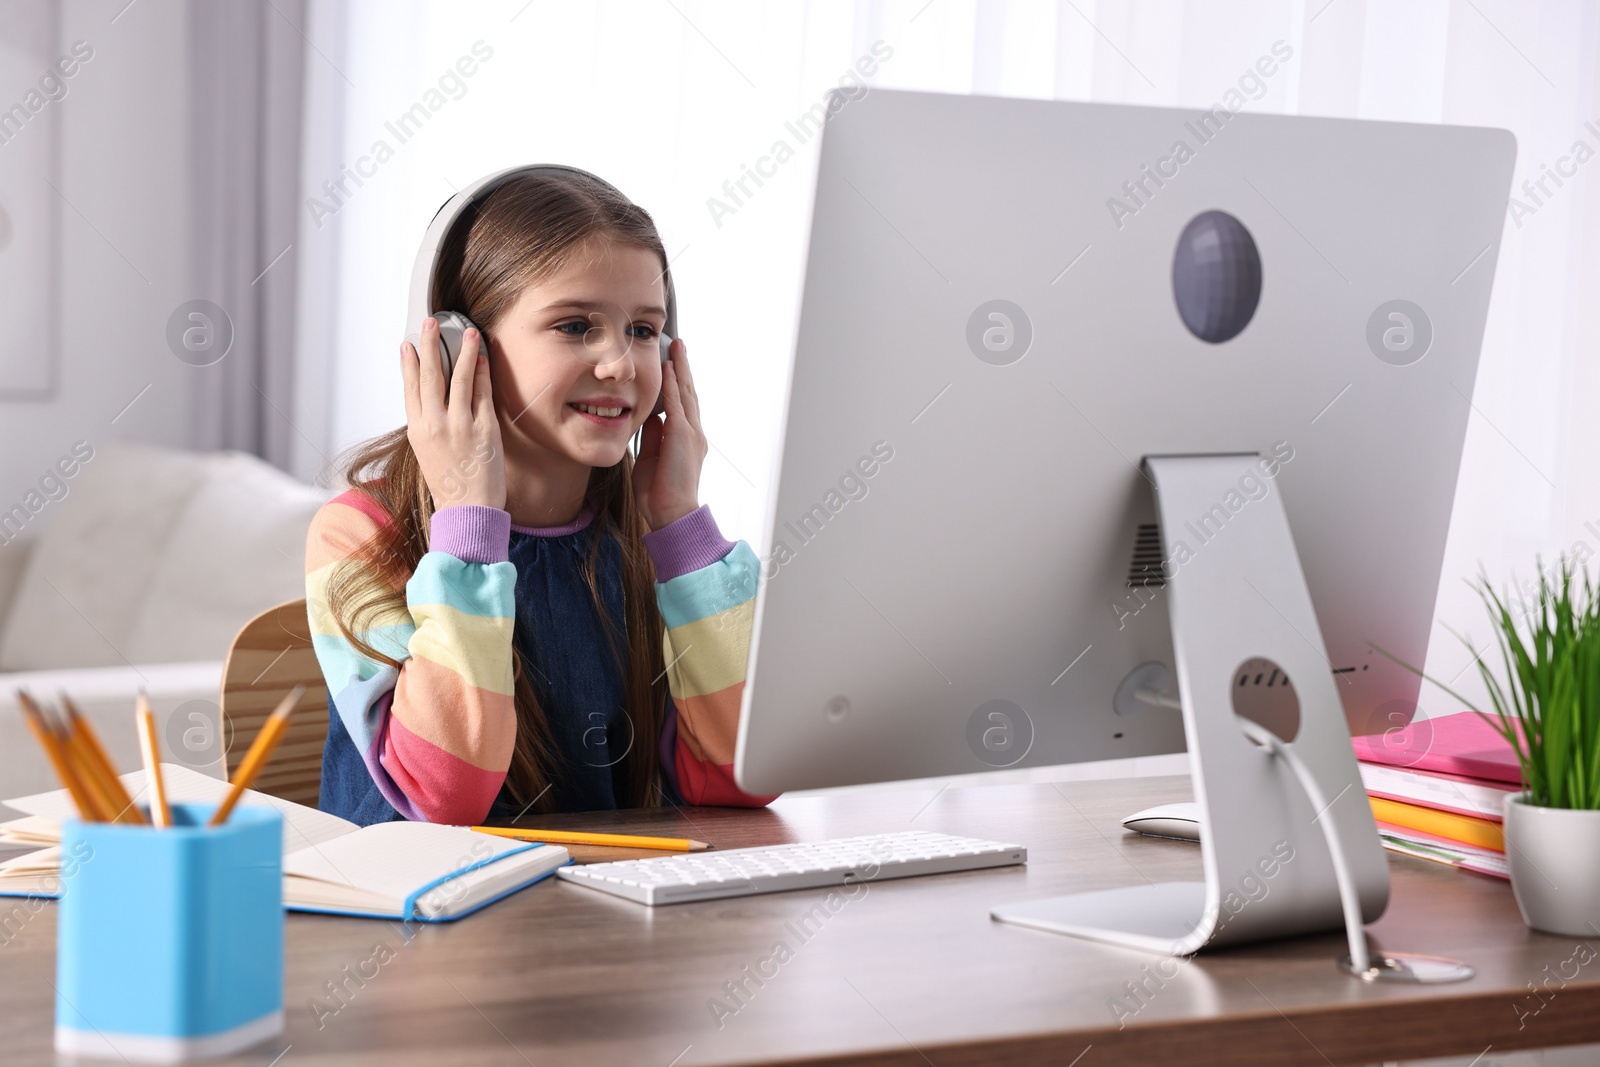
409, 914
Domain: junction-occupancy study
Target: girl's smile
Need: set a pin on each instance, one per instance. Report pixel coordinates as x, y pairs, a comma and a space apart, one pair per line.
610, 411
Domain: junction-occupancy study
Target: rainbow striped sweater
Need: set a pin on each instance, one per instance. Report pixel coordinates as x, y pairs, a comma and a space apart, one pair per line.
436, 733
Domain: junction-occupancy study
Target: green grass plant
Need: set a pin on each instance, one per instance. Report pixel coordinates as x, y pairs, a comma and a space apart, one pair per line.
1547, 706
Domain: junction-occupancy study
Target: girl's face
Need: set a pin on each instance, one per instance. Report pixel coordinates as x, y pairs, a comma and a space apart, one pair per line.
585, 338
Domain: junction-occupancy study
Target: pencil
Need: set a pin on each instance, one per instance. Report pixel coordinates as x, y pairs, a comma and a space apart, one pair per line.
260, 751
160, 812
99, 768
82, 774
572, 837
81, 781
44, 733
87, 772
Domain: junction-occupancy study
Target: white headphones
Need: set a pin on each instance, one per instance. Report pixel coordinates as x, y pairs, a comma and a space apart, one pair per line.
452, 324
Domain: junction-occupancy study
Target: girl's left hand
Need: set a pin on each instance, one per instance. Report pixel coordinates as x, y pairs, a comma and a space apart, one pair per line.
666, 473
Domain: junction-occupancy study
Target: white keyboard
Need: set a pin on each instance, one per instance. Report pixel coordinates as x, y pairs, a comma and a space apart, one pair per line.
742, 872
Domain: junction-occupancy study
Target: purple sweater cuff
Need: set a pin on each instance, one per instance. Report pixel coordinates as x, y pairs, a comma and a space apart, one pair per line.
686, 544
472, 533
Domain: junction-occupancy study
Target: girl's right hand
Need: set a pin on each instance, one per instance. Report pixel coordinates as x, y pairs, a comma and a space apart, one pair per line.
456, 439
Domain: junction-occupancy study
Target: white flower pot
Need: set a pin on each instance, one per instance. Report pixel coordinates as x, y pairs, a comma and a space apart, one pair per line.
1554, 855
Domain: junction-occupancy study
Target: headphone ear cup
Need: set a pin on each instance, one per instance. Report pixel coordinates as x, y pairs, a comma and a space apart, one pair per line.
661, 397
452, 327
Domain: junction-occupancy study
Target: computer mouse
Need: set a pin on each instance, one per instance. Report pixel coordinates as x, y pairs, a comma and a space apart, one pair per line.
1180, 822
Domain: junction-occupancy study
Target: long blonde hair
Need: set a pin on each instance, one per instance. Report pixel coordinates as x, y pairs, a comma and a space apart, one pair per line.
518, 235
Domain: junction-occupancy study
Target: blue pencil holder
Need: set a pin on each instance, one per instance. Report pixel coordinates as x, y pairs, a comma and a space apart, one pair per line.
171, 941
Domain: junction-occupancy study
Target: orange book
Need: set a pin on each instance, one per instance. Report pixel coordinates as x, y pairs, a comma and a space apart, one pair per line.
1481, 833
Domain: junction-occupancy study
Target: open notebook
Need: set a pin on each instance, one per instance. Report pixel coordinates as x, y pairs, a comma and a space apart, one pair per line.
396, 870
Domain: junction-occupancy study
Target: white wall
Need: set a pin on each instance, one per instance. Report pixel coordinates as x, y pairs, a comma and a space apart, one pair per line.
123, 259
670, 100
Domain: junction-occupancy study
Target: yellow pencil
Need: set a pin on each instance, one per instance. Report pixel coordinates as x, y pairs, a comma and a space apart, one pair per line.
87, 780
87, 771
160, 812
45, 734
260, 752
79, 765
99, 769
573, 837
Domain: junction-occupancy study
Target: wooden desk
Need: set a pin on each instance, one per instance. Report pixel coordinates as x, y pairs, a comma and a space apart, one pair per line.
909, 972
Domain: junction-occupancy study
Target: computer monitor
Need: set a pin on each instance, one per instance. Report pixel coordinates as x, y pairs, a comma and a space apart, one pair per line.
1012, 310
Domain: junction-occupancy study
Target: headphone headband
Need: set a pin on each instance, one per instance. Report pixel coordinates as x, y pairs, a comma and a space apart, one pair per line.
433, 242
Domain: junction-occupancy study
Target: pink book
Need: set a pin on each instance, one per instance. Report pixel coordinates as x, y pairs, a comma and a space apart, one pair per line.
1465, 743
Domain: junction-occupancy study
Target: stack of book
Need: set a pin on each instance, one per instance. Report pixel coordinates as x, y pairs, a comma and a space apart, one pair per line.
1437, 787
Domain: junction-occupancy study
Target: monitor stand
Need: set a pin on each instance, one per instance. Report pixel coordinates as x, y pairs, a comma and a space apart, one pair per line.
1241, 595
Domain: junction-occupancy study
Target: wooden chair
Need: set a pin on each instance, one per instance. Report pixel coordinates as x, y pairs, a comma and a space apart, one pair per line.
270, 656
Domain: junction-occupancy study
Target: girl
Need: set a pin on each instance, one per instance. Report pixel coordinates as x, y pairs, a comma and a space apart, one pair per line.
512, 613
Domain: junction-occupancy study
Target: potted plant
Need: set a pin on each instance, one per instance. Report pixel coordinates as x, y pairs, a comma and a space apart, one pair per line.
1548, 710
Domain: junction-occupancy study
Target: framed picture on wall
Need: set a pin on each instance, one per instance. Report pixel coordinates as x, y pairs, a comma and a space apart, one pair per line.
32, 86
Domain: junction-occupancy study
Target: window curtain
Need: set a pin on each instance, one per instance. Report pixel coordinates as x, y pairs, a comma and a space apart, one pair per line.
245, 123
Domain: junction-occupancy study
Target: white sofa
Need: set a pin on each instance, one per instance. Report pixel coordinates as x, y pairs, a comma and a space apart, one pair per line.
139, 579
